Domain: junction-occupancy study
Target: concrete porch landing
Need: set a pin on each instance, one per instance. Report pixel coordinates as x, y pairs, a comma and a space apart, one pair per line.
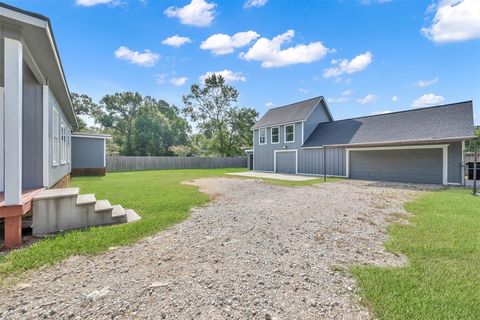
268, 175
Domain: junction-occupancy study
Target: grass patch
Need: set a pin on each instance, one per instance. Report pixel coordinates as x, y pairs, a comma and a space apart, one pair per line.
158, 196
442, 279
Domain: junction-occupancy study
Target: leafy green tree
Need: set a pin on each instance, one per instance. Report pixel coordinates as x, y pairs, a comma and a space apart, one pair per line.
118, 112
224, 126
84, 106
152, 132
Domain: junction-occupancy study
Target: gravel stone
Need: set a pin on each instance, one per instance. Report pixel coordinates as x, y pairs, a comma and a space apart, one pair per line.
257, 251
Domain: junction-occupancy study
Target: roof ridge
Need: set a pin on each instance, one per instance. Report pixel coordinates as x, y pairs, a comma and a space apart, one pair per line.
298, 102
405, 111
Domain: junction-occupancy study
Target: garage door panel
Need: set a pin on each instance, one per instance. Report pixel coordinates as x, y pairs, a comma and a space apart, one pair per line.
286, 162
410, 165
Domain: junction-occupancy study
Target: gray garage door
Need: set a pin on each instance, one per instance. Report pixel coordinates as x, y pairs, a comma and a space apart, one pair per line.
286, 162
411, 165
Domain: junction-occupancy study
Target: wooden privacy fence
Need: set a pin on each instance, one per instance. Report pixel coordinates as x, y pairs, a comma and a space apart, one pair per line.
131, 163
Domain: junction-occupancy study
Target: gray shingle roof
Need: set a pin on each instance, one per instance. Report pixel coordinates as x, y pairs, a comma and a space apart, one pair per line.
294, 112
425, 124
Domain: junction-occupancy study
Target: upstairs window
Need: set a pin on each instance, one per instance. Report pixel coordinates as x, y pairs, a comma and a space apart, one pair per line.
275, 135
289, 133
262, 136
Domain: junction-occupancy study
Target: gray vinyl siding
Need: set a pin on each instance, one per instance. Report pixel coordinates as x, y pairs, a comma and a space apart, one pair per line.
88, 152
56, 173
310, 161
263, 154
318, 115
32, 118
455, 158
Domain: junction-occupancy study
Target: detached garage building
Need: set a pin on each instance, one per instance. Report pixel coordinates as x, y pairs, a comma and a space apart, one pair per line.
421, 146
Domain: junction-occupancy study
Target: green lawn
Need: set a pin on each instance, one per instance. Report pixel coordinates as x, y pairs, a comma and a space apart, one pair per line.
158, 196
442, 279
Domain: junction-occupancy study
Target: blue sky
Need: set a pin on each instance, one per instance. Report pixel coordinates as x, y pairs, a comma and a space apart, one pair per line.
365, 57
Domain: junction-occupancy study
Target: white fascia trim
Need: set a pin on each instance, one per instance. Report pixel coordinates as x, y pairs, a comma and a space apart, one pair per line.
271, 134
45, 128
444, 147
285, 133
279, 124
275, 159
248, 150
90, 136
21, 17
311, 147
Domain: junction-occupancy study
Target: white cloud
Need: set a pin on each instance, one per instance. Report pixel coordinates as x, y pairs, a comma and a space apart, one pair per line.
426, 100
198, 13
369, 98
270, 105
301, 90
221, 44
380, 112
425, 83
271, 55
357, 64
454, 20
176, 41
178, 81
91, 3
395, 99
228, 75
255, 3
348, 92
161, 78
338, 100
145, 59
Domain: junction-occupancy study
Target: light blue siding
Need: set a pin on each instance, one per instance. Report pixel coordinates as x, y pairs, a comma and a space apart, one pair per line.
88, 153
310, 161
455, 159
56, 172
263, 154
318, 115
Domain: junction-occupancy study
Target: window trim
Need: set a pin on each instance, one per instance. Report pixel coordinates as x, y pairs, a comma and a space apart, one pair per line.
55, 137
271, 135
260, 130
63, 142
285, 133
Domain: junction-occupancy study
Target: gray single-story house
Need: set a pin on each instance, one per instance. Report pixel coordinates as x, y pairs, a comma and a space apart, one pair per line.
36, 123
89, 154
422, 145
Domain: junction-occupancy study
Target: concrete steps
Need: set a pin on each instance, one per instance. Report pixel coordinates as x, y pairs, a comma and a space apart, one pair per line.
57, 210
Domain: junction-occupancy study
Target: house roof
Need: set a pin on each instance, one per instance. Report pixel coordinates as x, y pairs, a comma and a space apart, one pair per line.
37, 33
444, 122
294, 112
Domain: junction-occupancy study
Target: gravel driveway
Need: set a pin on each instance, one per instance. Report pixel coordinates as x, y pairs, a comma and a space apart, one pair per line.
258, 251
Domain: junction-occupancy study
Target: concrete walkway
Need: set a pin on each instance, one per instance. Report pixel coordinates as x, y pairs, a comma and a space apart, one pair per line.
268, 175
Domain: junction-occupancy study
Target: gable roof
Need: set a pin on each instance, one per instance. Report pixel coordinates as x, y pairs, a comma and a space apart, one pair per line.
294, 112
444, 122
37, 32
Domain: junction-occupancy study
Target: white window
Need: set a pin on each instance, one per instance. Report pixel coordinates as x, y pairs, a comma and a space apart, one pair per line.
69, 145
262, 136
63, 142
56, 137
275, 135
289, 133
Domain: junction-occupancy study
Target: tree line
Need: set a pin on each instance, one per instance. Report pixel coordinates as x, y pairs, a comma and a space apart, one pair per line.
209, 124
